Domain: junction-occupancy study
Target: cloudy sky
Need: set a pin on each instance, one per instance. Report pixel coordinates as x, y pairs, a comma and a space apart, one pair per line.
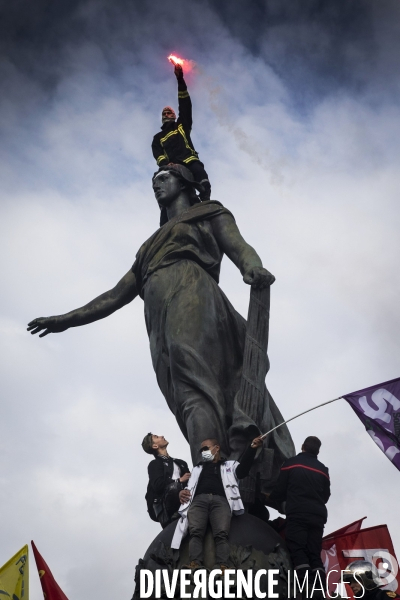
297, 118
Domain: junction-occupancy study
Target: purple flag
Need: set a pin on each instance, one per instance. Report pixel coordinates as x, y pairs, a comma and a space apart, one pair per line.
378, 407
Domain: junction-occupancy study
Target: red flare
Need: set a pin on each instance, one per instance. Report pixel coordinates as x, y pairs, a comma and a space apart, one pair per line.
175, 60
185, 63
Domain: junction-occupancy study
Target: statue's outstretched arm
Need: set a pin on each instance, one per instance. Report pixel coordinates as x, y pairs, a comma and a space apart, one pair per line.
240, 252
99, 308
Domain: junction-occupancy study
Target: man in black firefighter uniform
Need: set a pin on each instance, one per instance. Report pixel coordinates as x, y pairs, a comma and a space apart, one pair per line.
173, 144
167, 477
301, 492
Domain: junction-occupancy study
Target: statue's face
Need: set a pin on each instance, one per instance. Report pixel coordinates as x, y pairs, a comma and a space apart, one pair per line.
166, 188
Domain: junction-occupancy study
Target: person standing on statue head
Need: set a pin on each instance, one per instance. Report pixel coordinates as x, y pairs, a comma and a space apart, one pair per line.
173, 143
167, 477
301, 492
211, 497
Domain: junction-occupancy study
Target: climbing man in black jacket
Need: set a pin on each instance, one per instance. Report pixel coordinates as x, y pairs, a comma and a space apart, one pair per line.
173, 143
167, 477
301, 492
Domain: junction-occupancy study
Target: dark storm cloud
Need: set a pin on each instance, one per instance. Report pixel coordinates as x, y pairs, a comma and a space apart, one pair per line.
320, 47
314, 46
316, 49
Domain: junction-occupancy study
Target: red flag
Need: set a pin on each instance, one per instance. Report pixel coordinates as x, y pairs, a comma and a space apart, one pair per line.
329, 554
373, 544
51, 589
355, 526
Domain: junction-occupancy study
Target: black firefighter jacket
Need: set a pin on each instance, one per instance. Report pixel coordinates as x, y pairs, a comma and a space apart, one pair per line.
173, 143
304, 485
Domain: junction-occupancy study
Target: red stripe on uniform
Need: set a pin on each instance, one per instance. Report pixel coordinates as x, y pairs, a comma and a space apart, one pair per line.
304, 467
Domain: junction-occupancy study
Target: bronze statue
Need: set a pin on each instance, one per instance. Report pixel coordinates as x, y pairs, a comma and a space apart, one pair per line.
196, 336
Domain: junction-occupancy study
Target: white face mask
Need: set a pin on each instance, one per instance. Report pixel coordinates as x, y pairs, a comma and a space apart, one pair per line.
207, 455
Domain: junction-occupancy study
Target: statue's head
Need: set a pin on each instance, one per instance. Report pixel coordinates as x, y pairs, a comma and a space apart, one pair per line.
169, 182
167, 115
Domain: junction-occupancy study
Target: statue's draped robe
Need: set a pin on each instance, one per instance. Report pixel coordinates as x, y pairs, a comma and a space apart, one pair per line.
197, 337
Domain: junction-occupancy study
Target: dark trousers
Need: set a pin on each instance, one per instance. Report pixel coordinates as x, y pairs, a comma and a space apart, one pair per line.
199, 173
214, 509
304, 540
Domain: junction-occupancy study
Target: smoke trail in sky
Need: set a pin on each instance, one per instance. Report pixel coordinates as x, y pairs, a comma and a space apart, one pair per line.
247, 143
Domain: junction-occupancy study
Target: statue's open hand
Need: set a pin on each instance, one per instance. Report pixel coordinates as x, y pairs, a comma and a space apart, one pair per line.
47, 325
258, 277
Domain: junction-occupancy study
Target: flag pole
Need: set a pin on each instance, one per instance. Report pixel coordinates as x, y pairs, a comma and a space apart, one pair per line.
299, 415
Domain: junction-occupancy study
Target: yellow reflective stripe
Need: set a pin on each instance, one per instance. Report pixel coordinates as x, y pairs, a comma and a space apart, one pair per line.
162, 157
183, 94
182, 132
168, 135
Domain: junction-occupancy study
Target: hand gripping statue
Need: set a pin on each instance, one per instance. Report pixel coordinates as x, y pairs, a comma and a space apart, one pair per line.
196, 336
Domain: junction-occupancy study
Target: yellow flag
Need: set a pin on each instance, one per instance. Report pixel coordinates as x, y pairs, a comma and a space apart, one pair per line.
14, 577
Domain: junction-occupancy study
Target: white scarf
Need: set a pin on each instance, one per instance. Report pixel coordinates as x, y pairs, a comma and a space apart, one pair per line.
231, 488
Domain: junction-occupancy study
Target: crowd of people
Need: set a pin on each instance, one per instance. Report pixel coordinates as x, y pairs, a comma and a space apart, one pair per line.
209, 494
205, 496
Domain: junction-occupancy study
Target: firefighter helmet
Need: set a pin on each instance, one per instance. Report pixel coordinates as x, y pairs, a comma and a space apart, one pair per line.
367, 574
